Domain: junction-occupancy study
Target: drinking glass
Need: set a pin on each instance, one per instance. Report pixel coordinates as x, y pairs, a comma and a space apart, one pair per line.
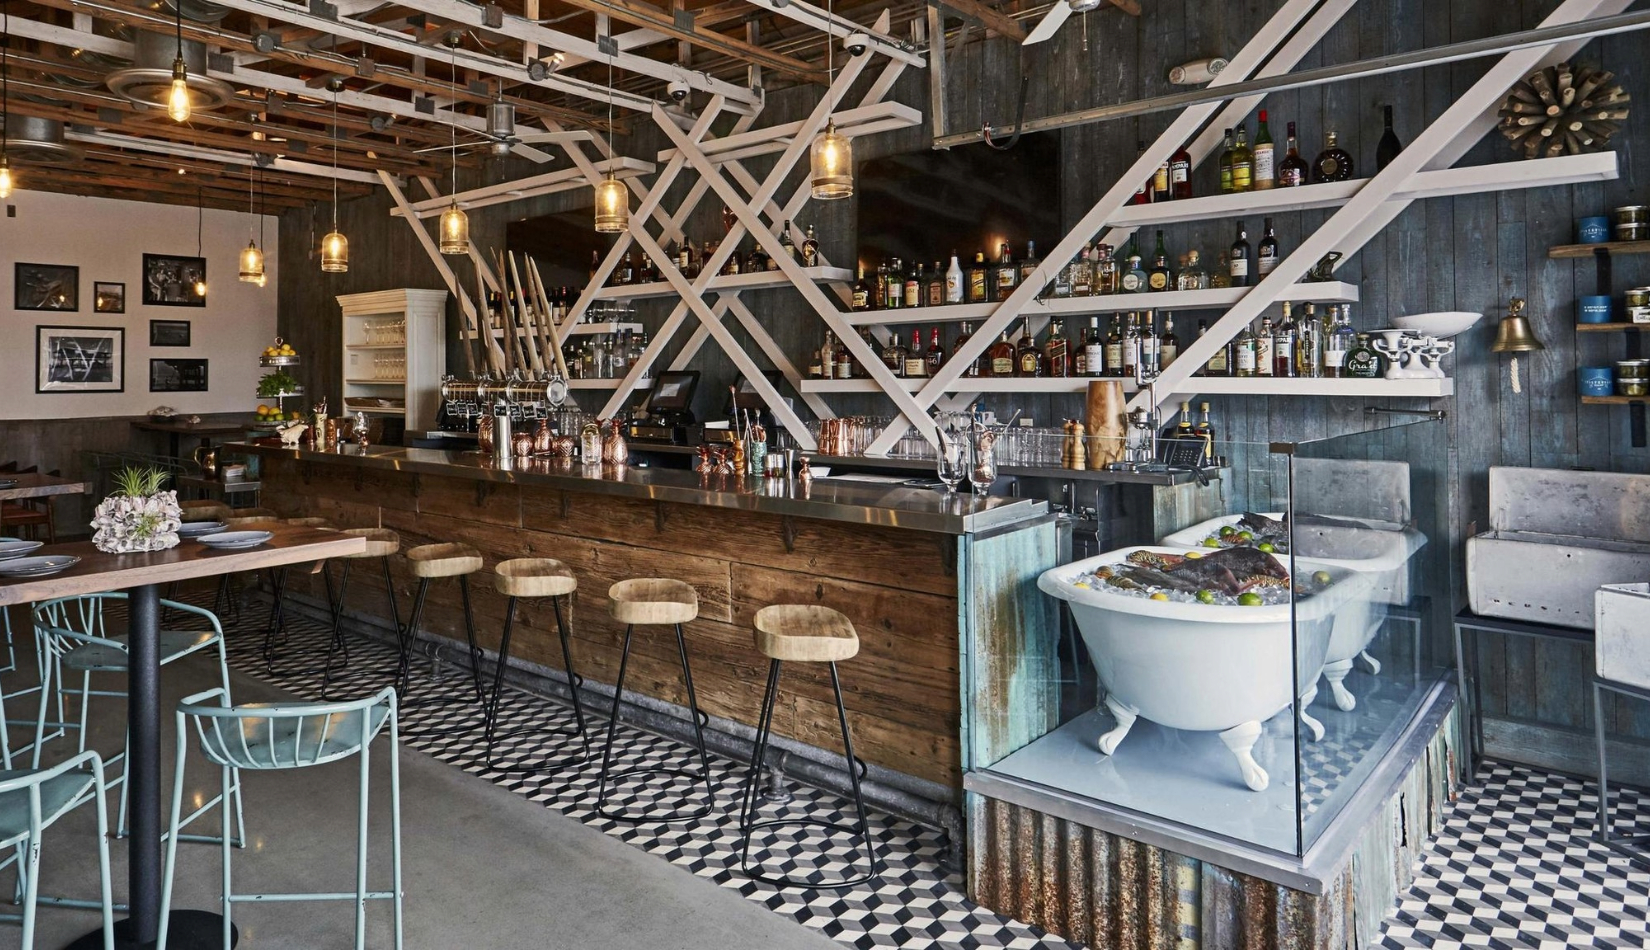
952, 462
983, 471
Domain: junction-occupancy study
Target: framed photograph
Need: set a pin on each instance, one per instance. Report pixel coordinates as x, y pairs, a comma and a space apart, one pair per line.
170, 281
80, 360
168, 332
108, 297
177, 376
46, 287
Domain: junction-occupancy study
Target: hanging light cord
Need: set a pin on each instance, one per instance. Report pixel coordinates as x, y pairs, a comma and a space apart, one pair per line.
610, 114
335, 160
200, 216
5, 74
830, 51
452, 127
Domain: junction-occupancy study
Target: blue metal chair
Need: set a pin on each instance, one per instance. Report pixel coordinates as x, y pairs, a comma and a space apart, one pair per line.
74, 637
31, 800
290, 736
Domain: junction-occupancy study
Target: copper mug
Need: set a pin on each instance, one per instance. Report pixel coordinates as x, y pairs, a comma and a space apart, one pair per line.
522, 443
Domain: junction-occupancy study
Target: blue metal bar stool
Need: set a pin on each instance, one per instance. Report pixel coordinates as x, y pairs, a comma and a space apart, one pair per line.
803, 633
431, 562
272, 736
533, 577
31, 801
664, 602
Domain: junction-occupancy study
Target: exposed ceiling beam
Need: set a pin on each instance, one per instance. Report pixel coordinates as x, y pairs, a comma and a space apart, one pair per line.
641, 13
217, 155
838, 25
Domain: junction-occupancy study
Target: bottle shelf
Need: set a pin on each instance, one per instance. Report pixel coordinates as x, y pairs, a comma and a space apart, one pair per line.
1610, 327
1214, 298
585, 329
1613, 248
375, 346
1063, 384
757, 281
612, 383
1615, 400
377, 382
1200, 385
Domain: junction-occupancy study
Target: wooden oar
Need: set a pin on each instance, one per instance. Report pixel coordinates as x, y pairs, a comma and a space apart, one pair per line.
489, 347
512, 333
530, 340
551, 329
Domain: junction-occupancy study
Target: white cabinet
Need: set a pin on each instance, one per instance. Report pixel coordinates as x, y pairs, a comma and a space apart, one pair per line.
395, 354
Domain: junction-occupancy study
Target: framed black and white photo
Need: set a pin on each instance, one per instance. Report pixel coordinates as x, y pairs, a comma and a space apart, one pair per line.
108, 297
46, 287
177, 376
172, 281
80, 360
168, 332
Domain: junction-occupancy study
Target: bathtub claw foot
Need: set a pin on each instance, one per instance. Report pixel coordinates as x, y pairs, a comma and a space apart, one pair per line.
1241, 740
1125, 715
1369, 661
1336, 673
1313, 726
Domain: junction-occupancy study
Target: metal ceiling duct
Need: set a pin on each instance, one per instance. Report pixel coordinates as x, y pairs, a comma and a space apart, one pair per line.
149, 79
35, 141
195, 11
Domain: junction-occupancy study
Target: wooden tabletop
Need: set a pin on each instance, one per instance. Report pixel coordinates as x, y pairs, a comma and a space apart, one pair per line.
36, 485
98, 572
203, 427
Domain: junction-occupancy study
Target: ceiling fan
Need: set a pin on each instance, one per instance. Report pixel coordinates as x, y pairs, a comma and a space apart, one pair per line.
500, 136
1062, 9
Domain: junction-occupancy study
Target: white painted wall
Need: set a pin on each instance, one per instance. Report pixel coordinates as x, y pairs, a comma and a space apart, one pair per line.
107, 239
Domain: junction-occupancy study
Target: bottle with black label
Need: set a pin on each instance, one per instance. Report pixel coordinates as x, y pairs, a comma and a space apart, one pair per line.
1094, 350
979, 282
1237, 261
1114, 347
894, 355
862, 291
1267, 258
1028, 358
1168, 347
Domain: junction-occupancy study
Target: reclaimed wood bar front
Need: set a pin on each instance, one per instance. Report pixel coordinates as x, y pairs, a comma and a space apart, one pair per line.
888, 556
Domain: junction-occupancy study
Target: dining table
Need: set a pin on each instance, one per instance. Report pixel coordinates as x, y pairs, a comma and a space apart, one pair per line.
17, 486
142, 576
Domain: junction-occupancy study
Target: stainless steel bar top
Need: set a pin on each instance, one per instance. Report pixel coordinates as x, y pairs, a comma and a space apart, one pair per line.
856, 502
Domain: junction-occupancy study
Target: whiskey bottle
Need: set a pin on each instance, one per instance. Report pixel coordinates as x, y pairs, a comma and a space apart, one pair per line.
1205, 430
933, 289
1001, 355
1283, 344
1263, 348
1131, 347
595, 264
827, 357
978, 280
1292, 170
785, 243
936, 353
1143, 194
1108, 275
895, 354
1004, 276
1029, 263
735, 263
916, 360
1333, 163
1265, 156
862, 292
1151, 347
1161, 189
844, 363
1160, 277
1169, 347
1180, 174
1082, 273
870, 344
1389, 146
757, 261
1267, 257
1226, 164
1062, 281
627, 270
1246, 353
966, 334
1238, 261
914, 279
1133, 278
1057, 351
1221, 276
1192, 276
1243, 163
1362, 362
954, 281
1028, 360
1114, 347
1094, 349
1183, 429
815, 364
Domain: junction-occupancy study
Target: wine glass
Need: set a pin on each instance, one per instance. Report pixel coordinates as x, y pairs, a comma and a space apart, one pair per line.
952, 461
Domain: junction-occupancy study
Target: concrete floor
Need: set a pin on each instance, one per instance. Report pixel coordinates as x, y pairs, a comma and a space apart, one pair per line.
484, 868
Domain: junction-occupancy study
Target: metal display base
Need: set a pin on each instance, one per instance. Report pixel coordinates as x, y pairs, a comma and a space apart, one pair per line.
1635, 848
188, 930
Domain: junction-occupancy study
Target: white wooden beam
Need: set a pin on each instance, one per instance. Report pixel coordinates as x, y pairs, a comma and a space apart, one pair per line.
836, 25
182, 150
520, 189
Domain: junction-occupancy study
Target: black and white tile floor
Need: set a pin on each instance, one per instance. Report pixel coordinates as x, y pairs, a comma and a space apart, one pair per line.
1514, 867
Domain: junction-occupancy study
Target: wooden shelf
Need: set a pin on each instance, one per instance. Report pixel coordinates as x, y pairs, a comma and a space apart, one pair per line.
1613, 248
1201, 385
1614, 400
1066, 384
758, 281
1610, 327
1215, 298
375, 346
377, 382
605, 383
580, 329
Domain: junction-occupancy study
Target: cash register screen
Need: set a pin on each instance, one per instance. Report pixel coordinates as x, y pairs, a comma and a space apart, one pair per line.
673, 391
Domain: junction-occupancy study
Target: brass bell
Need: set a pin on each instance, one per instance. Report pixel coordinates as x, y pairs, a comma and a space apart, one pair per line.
1513, 333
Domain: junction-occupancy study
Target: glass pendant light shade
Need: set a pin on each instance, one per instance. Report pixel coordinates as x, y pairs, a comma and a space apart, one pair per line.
335, 253
612, 206
252, 263
5, 178
455, 230
177, 101
832, 163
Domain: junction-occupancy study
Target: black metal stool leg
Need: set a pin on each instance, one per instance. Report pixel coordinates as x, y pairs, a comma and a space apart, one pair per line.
759, 753
856, 769
498, 677
613, 721
273, 626
470, 634
493, 736
699, 718
477, 702
406, 635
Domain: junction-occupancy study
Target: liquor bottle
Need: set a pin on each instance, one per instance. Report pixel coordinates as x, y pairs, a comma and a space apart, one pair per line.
1284, 338
771, 263
1029, 263
914, 279
1263, 348
1143, 194
916, 359
1192, 276
1243, 163
1309, 345
815, 362
1221, 276
1226, 164
1169, 347
827, 357
1161, 188
1180, 174
935, 356
595, 264
1160, 277
1094, 349
627, 270
894, 355
1108, 275
1267, 256
1114, 347
978, 280
1205, 430
1131, 347
933, 289
1292, 170
862, 292
1389, 146
1057, 351
870, 344
734, 264
1338, 344
1005, 275
757, 261
1246, 353
1238, 262
1002, 357
1062, 281
1333, 163
1082, 273
1133, 278
684, 258
810, 248
1151, 347
844, 363
1362, 362
1265, 156
894, 288
1028, 360
954, 281
1183, 429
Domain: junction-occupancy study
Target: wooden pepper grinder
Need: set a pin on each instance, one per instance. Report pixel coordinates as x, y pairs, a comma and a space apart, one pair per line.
1079, 455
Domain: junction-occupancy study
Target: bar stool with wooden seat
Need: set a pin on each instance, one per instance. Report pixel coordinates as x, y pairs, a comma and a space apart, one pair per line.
383, 544
239, 519
655, 601
275, 627
803, 633
204, 509
431, 562
534, 577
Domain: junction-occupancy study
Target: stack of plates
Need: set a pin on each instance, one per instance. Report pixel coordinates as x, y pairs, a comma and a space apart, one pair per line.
16, 547
194, 529
37, 566
8, 483
235, 540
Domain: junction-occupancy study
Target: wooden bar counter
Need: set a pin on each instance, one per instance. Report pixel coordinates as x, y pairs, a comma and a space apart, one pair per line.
912, 568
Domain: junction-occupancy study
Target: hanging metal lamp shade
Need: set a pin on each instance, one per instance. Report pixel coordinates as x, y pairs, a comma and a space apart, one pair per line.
612, 206
31, 140
335, 253
832, 164
252, 263
155, 57
455, 230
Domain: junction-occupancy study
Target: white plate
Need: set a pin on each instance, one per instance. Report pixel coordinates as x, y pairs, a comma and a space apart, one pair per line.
17, 547
37, 566
235, 540
194, 529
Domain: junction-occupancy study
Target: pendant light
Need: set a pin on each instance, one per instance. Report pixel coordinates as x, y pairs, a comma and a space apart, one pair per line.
335, 247
5, 89
200, 223
612, 197
252, 259
455, 224
831, 159
177, 100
